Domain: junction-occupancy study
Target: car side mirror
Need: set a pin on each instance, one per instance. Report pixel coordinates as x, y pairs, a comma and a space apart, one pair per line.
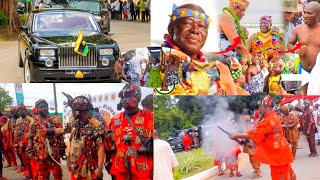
24, 28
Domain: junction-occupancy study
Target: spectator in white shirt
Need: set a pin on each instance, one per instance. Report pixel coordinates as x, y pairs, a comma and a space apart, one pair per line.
164, 159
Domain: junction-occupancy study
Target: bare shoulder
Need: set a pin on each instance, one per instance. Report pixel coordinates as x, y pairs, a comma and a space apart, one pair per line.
300, 28
224, 18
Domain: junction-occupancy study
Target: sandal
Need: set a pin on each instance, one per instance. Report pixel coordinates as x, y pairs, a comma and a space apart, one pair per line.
15, 168
231, 174
238, 174
256, 176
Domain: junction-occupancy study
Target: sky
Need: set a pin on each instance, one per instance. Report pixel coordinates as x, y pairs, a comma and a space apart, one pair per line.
33, 92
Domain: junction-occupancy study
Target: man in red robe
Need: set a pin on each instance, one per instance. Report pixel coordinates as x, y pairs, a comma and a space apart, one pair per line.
186, 141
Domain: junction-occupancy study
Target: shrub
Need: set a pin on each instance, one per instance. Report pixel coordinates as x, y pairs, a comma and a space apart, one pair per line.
192, 162
24, 18
4, 20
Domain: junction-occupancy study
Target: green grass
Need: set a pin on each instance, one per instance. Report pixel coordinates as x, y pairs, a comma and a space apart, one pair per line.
191, 163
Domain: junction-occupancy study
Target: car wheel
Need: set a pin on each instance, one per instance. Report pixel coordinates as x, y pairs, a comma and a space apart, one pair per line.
26, 71
19, 57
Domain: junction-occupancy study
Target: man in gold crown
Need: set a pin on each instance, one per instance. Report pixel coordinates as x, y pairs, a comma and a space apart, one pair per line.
229, 28
188, 30
266, 42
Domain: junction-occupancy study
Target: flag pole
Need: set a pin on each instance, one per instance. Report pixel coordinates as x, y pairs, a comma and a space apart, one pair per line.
55, 100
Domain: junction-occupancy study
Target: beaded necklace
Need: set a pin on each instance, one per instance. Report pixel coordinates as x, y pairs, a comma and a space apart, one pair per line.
238, 26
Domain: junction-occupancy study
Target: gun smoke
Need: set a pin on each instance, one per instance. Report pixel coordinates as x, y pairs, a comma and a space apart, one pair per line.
217, 113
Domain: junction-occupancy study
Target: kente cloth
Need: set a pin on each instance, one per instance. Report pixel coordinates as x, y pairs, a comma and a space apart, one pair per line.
274, 85
199, 81
155, 78
266, 44
257, 83
173, 78
271, 146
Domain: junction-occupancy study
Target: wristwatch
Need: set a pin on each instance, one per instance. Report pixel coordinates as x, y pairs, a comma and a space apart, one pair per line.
100, 168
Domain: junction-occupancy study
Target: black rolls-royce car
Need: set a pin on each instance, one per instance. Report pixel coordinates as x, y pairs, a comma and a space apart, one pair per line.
46, 48
97, 8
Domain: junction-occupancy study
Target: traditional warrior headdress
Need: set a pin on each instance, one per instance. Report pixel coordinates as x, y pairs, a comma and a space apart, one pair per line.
267, 101
132, 92
178, 13
41, 101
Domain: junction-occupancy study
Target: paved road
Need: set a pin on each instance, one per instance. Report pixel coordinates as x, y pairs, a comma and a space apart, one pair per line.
129, 35
13, 175
305, 167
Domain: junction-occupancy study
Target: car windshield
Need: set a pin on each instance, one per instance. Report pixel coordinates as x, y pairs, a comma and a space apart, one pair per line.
64, 22
85, 5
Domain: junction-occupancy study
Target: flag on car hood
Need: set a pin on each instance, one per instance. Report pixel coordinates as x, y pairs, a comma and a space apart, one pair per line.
81, 46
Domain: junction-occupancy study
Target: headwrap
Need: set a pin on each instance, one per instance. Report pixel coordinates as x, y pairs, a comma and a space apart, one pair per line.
266, 18
243, 2
3, 119
267, 101
236, 71
178, 13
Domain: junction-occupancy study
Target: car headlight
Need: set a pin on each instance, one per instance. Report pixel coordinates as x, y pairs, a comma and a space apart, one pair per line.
46, 52
104, 52
98, 18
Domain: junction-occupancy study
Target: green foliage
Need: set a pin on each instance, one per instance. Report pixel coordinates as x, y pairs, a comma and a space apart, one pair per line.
5, 99
192, 162
4, 20
24, 18
176, 113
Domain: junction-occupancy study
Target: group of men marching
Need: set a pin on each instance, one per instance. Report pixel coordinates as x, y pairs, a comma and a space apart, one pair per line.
123, 145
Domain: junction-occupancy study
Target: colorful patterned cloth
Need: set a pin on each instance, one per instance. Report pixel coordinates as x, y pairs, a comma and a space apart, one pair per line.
178, 13
266, 44
236, 73
173, 78
257, 83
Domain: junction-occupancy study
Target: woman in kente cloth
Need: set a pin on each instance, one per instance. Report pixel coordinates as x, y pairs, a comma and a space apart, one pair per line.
171, 74
155, 77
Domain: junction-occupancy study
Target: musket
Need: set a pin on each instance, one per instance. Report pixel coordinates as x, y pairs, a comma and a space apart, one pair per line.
241, 142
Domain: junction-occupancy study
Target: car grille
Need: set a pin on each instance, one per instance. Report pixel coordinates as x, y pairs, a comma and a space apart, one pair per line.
70, 59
